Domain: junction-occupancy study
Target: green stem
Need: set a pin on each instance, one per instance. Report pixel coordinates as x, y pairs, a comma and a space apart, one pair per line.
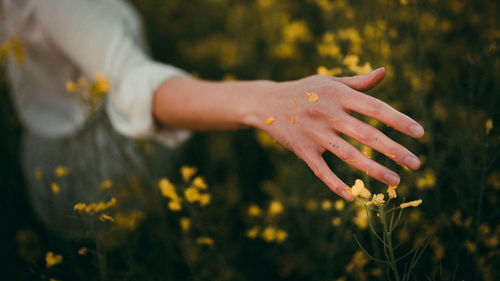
388, 244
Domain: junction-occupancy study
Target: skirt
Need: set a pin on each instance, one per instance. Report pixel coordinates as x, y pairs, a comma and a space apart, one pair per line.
78, 184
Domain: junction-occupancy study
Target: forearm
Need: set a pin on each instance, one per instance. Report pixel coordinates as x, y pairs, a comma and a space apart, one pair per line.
202, 105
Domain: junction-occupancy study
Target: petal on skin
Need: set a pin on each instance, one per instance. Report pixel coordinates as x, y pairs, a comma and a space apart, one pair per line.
312, 97
269, 121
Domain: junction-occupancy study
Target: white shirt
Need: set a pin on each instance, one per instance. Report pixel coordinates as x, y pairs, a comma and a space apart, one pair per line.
66, 39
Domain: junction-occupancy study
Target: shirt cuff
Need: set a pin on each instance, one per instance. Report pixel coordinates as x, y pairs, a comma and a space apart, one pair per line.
130, 102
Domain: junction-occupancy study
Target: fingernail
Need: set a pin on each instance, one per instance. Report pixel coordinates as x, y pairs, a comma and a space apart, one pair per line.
391, 178
416, 130
412, 162
346, 195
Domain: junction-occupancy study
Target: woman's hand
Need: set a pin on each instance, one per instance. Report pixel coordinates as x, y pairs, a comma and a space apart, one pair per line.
310, 115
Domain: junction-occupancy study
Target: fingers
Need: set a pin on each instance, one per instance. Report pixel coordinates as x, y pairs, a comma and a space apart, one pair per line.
319, 167
372, 137
351, 155
375, 108
363, 82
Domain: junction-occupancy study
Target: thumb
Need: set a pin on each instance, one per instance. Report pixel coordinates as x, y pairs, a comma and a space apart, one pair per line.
363, 82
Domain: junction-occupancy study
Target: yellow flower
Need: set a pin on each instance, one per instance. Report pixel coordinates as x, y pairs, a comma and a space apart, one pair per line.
185, 224
269, 234
367, 151
253, 232
254, 211
391, 190
329, 72
281, 235
336, 221
51, 259
80, 207
470, 246
55, 188
38, 174
100, 84
350, 60
361, 219
175, 205
71, 86
311, 204
94, 207
61, 171
167, 189
358, 261
414, 203
129, 221
359, 189
377, 199
83, 251
205, 199
269, 121
192, 194
204, 241
275, 208
489, 126
82, 82
312, 97
427, 181
187, 172
105, 217
326, 205
339, 205
200, 183
107, 184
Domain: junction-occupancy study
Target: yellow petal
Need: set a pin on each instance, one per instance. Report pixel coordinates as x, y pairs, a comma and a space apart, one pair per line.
312, 97
269, 121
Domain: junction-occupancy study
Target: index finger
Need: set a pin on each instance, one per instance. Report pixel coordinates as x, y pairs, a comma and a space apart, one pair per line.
375, 108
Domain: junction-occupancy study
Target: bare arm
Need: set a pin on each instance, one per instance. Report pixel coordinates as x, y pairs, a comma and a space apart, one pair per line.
290, 113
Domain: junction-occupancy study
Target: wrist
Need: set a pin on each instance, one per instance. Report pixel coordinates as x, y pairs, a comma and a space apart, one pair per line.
256, 102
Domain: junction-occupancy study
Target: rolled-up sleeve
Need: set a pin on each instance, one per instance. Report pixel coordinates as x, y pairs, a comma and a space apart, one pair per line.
105, 36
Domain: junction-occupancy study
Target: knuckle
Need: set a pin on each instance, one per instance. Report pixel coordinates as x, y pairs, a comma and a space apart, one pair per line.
347, 154
320, 173
365, 135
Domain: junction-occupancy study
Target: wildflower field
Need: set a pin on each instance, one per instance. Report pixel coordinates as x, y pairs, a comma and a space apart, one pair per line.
237, 205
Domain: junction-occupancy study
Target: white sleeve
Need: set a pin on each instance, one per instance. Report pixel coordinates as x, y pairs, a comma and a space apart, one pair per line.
104, 36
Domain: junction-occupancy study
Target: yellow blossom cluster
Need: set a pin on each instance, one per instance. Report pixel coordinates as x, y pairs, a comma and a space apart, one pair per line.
275, 208
193, 193
94, 208
185, 224
377, 199
167, 189
56, 189
89, 93
14, 47
269, 234
428, 180
188, 172
107, 184
359, 189
205, 241
391, 191
51, 259
61, 171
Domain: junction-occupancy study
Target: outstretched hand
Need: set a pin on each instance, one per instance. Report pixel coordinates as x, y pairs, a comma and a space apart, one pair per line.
310, 115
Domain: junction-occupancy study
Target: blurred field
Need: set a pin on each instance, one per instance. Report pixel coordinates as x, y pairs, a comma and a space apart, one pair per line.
269, 218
